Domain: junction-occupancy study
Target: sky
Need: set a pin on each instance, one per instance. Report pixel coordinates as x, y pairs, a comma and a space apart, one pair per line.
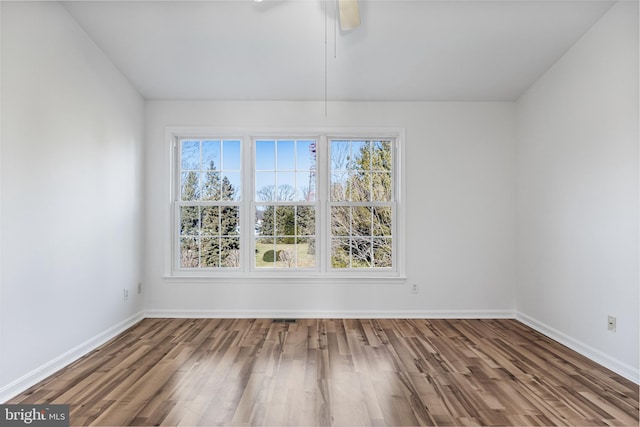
278, 162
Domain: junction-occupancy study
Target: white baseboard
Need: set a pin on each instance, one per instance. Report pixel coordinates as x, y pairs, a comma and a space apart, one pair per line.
30, 379
629, 372
332, 314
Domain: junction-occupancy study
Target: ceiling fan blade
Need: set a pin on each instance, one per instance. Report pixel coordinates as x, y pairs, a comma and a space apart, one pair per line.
349, 14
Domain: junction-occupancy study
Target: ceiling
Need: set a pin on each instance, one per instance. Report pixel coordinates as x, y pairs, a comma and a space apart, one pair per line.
275, 50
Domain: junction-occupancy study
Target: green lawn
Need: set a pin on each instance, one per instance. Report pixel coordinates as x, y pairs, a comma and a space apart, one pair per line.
303, 258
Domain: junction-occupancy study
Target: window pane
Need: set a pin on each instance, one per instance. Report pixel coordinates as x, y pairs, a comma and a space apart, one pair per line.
210, 220
231, 151
210, 185
190, 155
306, 155
361, 221
265, 221
340, 151
305, 221
230, 189
340, 253
305, 186
285, 155
189, 254
189, 221
285, 222
210, 252
286, 186
361, 253
211, 155
306, 252
286, 255
339, 186
360, 155
340, 221
265, 253
382, 250
382, 221
230, 252
265, 186
189, 186
360, 187
381, 185
265, 155
230, 221
381, 158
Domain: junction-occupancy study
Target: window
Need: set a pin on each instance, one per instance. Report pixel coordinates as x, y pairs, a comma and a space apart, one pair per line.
286, 204
361, 204
285, 200
208, 204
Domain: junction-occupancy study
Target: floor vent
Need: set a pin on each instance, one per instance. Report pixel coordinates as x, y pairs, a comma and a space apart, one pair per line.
285, 320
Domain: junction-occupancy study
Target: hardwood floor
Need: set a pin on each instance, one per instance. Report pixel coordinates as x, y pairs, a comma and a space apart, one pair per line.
238, 372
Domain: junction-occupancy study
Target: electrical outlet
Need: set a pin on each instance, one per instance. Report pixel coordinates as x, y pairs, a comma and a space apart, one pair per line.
415, 288
139, 287
611, 323
125, 294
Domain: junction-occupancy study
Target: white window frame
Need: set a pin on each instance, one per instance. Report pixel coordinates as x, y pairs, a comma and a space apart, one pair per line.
247, 271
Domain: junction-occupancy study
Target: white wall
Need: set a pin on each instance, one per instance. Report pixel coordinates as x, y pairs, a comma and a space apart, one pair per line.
460, 210
72, 198
578, 194
72, 170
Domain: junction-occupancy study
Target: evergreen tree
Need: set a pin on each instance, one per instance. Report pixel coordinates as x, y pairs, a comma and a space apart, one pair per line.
211, 184
306, 226
266, 225
305, 221
190, 190
227, 190
210, 236
210, 219
212, 223
285, 224
189, 223
189, 216
229, 226
277, 220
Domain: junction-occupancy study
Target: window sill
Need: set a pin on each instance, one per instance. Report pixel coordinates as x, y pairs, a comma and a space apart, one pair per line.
262, 278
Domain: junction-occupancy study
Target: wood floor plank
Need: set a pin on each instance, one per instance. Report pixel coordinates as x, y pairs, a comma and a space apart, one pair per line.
337, 372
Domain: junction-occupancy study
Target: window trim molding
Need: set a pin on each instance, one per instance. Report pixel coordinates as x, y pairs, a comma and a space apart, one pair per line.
247, 136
